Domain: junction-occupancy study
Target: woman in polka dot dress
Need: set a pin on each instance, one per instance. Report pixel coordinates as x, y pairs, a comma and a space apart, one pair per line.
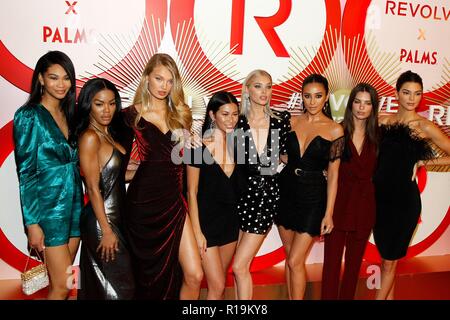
260, 140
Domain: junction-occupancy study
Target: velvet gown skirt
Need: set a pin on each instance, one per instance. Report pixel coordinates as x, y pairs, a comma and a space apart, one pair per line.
156, 212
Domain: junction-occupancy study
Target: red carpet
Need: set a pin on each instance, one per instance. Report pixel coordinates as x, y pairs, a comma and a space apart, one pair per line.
422, 278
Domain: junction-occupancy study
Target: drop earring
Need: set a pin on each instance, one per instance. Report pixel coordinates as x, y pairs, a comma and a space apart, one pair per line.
212, 125
245, 101
247, 98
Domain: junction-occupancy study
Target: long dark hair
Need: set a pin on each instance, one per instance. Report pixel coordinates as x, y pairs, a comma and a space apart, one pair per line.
318, 78
84, 105
408, 76
219, 99
371, 129
68, 103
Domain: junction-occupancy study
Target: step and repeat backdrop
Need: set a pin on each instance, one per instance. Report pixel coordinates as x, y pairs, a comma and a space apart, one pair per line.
216, 44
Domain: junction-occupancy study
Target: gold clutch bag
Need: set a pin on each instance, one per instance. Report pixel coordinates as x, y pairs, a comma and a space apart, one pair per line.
36, 278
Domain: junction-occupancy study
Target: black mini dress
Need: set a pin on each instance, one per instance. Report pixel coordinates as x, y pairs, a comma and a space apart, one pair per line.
303, 184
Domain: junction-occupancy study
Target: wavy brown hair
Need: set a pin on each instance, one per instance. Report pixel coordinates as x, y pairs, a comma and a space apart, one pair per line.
179, 115
371, 122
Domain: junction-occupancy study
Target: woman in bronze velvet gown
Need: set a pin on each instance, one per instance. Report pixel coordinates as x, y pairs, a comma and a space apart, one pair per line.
166, 260
105, 266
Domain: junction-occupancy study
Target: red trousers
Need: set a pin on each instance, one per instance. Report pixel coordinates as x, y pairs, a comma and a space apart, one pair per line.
354, 251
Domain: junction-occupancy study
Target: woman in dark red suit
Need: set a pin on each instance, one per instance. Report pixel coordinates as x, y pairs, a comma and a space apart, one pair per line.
354, 210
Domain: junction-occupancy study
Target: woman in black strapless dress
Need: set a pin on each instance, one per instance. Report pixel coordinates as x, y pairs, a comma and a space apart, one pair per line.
105, 265
404, 144
307, 199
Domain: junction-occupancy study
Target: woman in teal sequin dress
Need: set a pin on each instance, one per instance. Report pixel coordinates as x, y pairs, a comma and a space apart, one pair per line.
47, 168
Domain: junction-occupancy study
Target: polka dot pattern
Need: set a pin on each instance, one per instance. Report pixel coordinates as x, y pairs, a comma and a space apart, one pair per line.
259, 203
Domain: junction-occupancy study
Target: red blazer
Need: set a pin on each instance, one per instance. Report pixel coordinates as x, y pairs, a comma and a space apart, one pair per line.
354, 209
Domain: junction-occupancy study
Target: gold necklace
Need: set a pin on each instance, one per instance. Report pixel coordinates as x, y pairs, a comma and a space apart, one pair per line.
105, 135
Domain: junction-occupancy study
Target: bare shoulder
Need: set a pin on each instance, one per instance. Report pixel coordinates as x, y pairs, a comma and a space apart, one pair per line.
336, 130
294, 120
386, 119
89, 139
428, 127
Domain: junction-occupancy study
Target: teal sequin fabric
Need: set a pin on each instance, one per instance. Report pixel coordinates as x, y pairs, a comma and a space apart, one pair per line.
51, 193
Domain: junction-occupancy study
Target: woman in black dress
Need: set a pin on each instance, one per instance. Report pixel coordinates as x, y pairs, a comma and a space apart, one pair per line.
315, 144
260, 139
213, 190
404, 145
105, 266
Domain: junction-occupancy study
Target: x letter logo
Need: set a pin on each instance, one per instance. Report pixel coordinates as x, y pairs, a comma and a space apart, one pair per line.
71, 7
421, 34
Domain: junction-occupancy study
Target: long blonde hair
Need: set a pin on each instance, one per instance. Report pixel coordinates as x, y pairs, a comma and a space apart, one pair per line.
179, 115
245, 101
